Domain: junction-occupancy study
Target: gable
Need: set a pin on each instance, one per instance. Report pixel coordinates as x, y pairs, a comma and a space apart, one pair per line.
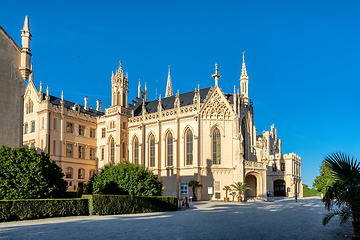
216, 106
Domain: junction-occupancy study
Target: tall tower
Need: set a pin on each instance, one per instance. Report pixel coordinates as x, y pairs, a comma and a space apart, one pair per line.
25, 62
244, 81
119, 88
169, 91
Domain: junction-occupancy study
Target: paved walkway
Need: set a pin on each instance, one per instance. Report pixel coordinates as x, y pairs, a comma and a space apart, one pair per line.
280, 219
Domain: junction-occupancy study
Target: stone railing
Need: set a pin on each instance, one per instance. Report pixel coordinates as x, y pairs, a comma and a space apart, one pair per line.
254, 165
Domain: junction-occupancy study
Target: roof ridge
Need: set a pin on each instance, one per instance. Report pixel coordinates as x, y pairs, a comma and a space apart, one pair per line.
10, 39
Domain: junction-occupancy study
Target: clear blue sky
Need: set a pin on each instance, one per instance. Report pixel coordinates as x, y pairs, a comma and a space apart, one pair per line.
302, 58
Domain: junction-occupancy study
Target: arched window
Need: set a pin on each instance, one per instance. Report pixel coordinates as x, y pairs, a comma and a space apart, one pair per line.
68, 172
136, 151
124, 99
243, 134
81, 174
169, 149
123, 150
118, 98
216, 146
189, 147
152, 150
92, 173
112, 150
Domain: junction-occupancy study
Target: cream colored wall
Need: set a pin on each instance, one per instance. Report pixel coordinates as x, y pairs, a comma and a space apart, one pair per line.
42, 109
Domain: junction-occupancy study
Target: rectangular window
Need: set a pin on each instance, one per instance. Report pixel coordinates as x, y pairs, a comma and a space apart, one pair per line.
81, 151
26, 130
42, 123
69, 149
42, 143
54, 147
217, 185
103, 133
92, 153
92, 173
282, 166
32, 144
92, 132
102, 153
69, 127
33, 126
124, 125
81, 130
54, 123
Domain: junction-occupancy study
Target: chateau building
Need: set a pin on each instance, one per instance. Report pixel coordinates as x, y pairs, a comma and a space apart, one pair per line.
15, 67
205, 135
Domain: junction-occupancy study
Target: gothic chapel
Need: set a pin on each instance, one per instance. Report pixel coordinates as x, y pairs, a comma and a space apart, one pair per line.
205, 135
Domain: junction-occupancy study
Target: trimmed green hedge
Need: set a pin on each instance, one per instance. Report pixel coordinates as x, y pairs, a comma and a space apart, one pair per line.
119, 204
42, 208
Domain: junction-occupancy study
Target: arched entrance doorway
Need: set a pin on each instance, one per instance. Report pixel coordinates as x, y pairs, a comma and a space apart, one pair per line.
251, 181
279, 188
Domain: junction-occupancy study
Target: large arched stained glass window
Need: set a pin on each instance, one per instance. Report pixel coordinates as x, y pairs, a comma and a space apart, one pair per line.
112, 150
169, 149
136, 150
189, 147
216, 146
152, 150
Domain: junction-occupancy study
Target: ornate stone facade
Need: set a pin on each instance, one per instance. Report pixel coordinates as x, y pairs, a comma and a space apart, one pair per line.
206, 135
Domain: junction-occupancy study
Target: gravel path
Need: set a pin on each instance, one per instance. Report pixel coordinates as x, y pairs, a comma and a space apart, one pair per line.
280, 219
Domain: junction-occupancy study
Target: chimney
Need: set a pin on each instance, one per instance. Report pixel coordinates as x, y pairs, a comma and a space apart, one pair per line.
86, 104
98, 105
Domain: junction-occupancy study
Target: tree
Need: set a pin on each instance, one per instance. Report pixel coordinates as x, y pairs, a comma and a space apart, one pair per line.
345, 192
226, 189
307, 192
240, 187
126, 179
233, 194
324, 179
194, 184
26, 174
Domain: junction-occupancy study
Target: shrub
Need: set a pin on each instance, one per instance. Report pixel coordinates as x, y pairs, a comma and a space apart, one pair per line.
126, 179
117, 204
26, 174
42, 208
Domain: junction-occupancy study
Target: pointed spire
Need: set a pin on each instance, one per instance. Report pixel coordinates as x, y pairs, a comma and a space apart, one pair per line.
169, 91
26, 26
139, 89
243, 69
216, 75
40, 89
62, 95
47, 90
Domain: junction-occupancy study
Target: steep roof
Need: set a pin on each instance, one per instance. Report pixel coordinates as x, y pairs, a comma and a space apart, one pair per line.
168, 102
57, 101
10, 39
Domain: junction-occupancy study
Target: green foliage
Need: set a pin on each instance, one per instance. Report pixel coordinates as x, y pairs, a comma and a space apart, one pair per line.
345, 192
26, 174
240, 187
117, 204
42, 208
227, 189
194, 184
324, 179
307, 192
126, 179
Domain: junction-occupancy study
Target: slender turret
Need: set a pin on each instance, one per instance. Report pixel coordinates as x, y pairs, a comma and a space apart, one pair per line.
169, 91
244, 79
25, 64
